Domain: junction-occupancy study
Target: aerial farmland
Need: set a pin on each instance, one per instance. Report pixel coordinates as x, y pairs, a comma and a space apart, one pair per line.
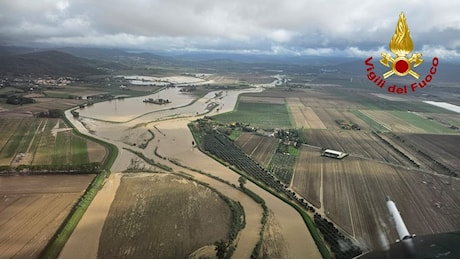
391, 154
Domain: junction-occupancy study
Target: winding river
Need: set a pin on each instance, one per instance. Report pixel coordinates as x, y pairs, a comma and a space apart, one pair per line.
117, 121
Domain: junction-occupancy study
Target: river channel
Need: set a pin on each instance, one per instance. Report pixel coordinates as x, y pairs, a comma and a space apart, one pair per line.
117, 121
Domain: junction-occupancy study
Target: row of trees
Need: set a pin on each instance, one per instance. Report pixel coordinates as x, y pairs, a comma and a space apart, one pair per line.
222, 147
85, 168
341, 246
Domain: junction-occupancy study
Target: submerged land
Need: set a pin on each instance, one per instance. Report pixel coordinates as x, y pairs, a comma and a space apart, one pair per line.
230, 166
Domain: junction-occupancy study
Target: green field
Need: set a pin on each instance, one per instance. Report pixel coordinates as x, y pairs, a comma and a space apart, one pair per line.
423, 123
41, 141
267, 116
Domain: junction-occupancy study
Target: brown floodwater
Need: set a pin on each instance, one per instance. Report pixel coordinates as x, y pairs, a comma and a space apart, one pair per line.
177, 144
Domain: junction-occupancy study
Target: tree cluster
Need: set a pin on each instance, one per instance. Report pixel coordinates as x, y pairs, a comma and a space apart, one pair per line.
19, 100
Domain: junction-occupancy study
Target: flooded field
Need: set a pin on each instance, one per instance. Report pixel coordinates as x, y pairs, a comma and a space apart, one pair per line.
128, 109
135, 123
121, 110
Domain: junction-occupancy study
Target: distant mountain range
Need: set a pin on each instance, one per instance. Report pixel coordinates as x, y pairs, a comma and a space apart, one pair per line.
446, 71
72, 61
47, 63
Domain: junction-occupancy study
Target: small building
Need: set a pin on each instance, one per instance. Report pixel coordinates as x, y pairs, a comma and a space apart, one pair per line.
333, 154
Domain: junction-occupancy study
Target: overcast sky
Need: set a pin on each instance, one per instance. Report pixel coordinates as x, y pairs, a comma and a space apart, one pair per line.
305, 27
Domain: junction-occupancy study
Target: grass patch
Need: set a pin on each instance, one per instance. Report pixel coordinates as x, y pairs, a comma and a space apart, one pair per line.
267, 116
50, 94
12, 145
61, 149
79, 151
423, 123
293, 151
235, 134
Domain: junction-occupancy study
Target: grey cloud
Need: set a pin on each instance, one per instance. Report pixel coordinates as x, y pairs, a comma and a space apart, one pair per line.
296, 26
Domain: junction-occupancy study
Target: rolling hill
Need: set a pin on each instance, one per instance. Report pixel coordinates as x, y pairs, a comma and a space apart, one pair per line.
47, 63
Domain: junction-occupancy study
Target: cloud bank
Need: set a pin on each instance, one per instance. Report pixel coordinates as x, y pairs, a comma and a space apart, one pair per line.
294, 27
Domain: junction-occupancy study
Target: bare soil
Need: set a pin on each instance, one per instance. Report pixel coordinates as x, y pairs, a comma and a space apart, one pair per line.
162, 216
260, 148
355, 191
32, 208
304, 116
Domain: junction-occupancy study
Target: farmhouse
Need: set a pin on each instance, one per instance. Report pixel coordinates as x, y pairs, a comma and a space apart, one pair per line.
333, 154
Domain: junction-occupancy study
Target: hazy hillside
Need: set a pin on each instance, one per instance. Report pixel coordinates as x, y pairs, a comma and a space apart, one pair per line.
446, 72
47, 63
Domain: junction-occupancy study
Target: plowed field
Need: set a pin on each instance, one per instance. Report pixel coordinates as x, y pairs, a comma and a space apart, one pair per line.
303, 116
32, 208
353, 193
162, 216
260, 148
359, 143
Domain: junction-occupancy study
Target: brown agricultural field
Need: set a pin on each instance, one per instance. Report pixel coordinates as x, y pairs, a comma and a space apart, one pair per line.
358, 143
304, 117
260, 148
443, 148
267, 100
325, 98
353, 193
162, 216
32, 208
391, 122
307, 175
44, 104
330, 115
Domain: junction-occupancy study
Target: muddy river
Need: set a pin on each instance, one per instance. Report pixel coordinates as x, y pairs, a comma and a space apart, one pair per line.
131, 118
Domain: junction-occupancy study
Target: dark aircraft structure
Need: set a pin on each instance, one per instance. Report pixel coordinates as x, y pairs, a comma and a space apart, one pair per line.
442, 245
